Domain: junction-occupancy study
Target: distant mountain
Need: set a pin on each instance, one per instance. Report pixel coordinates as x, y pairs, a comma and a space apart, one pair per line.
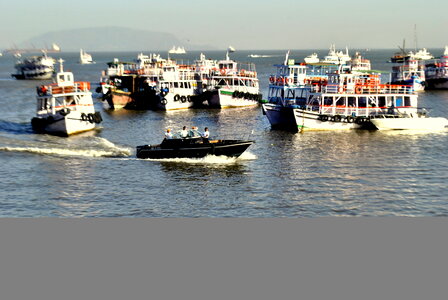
110, 39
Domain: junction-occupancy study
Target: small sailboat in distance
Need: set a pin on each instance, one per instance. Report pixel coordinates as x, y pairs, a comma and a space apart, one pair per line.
231, 49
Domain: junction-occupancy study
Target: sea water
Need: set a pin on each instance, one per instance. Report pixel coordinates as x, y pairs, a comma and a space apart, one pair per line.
284, 174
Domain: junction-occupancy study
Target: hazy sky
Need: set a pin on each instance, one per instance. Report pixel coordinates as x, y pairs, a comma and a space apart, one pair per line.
244, 24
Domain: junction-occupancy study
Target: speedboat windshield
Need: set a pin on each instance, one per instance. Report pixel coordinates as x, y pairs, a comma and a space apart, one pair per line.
191, 134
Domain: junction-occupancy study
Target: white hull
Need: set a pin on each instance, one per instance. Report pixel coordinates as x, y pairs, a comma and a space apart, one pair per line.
308, 120
404, 123
177, 99
227, 99
68, 125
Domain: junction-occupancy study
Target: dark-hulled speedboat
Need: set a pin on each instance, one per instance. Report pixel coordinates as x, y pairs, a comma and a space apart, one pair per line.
194, 147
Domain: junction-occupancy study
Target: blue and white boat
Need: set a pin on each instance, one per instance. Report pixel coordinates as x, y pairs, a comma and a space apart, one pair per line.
410, 72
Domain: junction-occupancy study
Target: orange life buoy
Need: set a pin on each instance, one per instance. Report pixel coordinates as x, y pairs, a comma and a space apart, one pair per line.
358, 90
272, 79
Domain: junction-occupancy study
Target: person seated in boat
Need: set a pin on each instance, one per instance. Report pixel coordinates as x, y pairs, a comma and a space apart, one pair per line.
205, 135
168, 134
184, 132
194, 133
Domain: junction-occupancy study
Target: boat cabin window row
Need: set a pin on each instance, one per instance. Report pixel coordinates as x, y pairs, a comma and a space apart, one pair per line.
381, 101
237, 82
176, 84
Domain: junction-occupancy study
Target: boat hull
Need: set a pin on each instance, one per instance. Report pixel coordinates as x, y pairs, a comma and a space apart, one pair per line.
403, 123
176, 100
280, 117
34, 75
233, 148
65, 125
436, 84
224, 98
118, 99
309, 120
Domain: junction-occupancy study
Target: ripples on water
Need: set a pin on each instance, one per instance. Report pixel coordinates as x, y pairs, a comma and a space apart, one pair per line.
356, 173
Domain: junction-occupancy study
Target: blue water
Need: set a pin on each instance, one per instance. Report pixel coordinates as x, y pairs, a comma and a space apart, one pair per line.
311, 174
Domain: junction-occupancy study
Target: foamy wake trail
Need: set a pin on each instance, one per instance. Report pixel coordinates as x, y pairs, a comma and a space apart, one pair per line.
64, 152
96, 147
210, 159
109, 144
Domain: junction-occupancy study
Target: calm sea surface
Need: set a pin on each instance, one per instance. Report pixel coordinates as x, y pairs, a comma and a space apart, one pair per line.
311, 174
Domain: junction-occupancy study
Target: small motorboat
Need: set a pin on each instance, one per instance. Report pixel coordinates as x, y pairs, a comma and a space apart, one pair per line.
193, 147
65, 107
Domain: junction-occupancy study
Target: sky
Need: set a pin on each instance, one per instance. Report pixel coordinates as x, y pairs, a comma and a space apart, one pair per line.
244, 24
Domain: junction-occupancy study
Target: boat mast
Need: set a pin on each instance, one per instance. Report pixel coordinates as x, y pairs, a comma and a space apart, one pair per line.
61, 67
415, 37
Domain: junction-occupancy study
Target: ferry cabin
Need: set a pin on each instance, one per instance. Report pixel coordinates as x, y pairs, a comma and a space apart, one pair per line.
360, 95
64, 94
287, 85
230, 77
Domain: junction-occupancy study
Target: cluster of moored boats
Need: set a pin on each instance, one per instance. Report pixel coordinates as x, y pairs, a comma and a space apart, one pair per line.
333, 94
152, 82
340, 95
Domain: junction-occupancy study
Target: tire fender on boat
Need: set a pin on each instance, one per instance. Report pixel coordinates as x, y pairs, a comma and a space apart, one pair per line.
84, 117
176, 98
183, 99
98, 117
91, 118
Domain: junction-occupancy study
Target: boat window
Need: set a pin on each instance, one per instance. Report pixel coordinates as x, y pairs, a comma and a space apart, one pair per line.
389, 100
340, 101
362, 102
70, 100
399, 102
351, 101
176, 84
381, 101
291, 94
407, 101
328, 100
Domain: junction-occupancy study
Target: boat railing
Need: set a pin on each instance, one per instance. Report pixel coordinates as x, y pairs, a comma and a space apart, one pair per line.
285, 81
53, 89
347, 110
363, 89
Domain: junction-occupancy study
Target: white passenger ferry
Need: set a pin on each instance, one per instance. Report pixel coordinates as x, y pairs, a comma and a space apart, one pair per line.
233, 85
348, 100
65, 107
343, 99
35, 67
176, 87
